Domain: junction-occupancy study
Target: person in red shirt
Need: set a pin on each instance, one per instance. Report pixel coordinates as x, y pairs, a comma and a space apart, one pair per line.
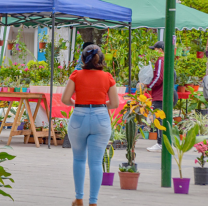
89, 127
157, 90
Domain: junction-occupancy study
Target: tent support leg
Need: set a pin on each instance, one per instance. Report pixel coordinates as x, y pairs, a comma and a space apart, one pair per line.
168, 88
130, 58
51, 84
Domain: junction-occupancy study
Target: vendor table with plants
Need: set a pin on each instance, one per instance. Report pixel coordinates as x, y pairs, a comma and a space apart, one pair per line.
24, 99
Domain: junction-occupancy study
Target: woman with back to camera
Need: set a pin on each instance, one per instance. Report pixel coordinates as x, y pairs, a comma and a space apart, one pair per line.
89, 128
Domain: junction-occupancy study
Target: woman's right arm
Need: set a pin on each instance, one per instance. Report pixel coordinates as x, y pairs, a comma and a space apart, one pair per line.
67, 94
113, 102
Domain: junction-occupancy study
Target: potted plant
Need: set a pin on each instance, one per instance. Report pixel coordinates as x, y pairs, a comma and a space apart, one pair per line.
45, 126
139, 106
182, 79
189, 83
198, 47
118, 139
107, 175
17, 84
1, 42
201, 173
197, 101
11, 87
146, 131
42, 40
129, 177
179, 49
195, 119
181, 106
6, 84
152, 132
196, 82
10, 44
181, 185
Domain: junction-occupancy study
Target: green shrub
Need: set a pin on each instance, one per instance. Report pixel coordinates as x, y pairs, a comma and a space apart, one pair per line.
191, 66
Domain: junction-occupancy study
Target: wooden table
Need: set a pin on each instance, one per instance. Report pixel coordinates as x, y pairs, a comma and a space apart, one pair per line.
24, 99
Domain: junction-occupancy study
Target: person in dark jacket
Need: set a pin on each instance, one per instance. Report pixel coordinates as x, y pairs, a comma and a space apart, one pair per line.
157, 90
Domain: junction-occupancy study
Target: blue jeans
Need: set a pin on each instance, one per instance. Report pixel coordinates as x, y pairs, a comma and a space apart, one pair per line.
89, 131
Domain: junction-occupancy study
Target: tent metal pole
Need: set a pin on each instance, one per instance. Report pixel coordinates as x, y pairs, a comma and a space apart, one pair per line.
129, 58
51, 84
168, 83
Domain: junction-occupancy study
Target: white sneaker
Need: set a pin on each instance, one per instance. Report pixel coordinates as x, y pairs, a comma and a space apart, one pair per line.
155, 148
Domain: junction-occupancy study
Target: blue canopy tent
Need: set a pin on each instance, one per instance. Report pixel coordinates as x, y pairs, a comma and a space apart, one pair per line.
52, 13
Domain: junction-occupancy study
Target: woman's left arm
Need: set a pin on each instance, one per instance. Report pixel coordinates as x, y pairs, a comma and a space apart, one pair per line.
68, 92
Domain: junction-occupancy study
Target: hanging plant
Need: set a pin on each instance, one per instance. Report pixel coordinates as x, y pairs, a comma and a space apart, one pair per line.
10, 44
43, 40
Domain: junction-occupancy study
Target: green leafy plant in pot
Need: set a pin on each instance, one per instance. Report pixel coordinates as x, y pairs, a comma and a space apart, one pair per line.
182, 80
181, 185
201, 173
107, 175
197, 101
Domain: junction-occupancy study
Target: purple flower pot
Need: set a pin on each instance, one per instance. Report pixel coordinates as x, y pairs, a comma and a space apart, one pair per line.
207, 54
0, 89
21, 126
108, 179
181, 186
28, 90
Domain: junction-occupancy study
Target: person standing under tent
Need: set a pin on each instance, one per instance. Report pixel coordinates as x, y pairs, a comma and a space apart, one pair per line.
90, 125
157, 90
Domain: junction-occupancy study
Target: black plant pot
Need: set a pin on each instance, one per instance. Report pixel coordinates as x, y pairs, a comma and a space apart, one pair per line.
202, 111
126, 165
66, 143
201, 176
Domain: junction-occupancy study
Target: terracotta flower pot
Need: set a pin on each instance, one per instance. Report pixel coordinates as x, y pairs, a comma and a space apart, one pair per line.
10, 46
10, 89
181, 89
42, 45
196, 88
153, 135
1, 42
128, 180
177, 119
200, 55
188, 85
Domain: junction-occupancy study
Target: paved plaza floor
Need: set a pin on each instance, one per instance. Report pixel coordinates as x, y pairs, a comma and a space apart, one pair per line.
44, 177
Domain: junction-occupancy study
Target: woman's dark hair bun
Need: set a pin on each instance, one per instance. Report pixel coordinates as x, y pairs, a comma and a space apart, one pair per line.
92, 57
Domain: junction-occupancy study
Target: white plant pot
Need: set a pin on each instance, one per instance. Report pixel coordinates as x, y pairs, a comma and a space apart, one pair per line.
121, 90
35, 89
60, 90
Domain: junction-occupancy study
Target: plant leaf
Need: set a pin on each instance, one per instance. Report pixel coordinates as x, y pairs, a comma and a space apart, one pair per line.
168, 145
5, 194
189, 140
4, 155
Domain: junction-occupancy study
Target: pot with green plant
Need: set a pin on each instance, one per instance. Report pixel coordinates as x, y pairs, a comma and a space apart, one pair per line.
6, 85
189, 83
198, 46
10, 44
197, 101
152, 130
107, 175
182, 79
42, 40
201, 173
17, 84
195, 119
196, 83
181, 185
129, 177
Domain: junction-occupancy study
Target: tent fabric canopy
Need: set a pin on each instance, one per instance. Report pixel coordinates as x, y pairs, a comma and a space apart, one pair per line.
151, 14
94, 9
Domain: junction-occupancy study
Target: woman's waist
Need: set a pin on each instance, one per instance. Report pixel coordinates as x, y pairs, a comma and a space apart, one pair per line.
91, 110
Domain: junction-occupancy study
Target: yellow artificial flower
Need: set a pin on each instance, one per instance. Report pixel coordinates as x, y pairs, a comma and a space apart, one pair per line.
148, 103
160, 114
158, 125
142, 98
142, 111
